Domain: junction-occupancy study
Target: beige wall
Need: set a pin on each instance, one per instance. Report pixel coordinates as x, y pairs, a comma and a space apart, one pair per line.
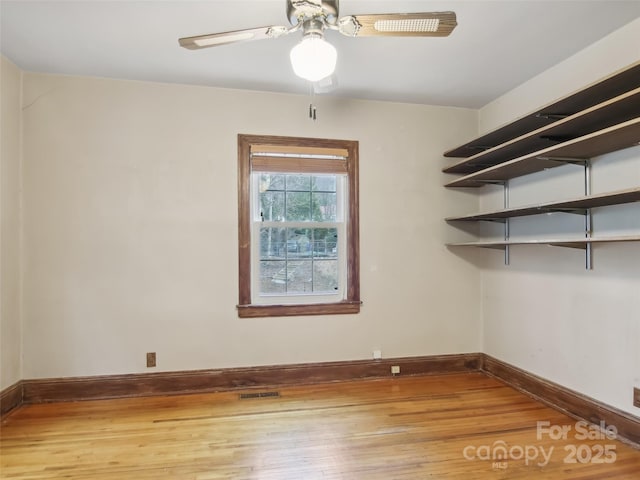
545, 313
130, 229
10, 324
129, 244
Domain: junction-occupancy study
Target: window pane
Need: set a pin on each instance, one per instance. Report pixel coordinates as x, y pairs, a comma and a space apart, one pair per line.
298, 183
273, 279
324, 207
323, 183
270, 181
272, 206
325, 243
298, 207
273, 243
299, 242
325, 276
299, 278
277, 182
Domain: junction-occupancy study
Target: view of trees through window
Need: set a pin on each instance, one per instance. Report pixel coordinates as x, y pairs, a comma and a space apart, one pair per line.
298, 233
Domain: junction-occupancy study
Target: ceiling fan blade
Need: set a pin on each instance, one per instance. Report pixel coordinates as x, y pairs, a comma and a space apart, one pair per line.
428, 24
224, 38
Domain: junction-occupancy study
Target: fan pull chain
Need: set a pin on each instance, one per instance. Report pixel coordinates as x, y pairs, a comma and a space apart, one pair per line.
312, 107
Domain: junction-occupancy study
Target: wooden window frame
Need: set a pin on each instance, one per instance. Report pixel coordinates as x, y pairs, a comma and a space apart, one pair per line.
351, 304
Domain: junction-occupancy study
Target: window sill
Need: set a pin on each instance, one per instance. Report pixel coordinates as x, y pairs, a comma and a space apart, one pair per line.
254, 311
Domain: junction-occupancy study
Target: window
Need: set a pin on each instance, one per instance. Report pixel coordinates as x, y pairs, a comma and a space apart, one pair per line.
298, 226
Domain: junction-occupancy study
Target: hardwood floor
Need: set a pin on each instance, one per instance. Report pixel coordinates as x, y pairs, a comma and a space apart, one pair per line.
447, 426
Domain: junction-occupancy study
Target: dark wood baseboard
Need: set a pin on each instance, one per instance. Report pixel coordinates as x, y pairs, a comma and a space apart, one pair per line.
574, 404
11, 398
200, 381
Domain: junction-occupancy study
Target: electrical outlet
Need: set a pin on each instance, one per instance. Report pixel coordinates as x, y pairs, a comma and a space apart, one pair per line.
151, 359
377, 354
395, 370
636, 397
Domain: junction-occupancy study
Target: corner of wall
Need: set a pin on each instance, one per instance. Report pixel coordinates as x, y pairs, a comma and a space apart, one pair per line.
21, 261
12, 208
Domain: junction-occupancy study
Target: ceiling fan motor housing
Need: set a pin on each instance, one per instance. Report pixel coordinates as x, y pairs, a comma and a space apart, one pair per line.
301, 10
313, 27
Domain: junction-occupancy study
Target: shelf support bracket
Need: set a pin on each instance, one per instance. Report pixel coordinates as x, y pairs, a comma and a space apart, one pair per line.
553, 116
579, 246
575, 211
506, 221
494, 247
495, 220
492, 182
566, 160
588, 217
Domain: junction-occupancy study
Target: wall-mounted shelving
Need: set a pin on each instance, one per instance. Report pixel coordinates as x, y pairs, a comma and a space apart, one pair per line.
576, 206
610, 112
617, 137
581, 243
600, 119
616, 84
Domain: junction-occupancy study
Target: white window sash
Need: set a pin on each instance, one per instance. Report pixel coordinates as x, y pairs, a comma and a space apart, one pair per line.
340, 225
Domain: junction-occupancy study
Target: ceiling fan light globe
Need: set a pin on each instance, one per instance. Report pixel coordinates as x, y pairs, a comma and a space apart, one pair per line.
313, 58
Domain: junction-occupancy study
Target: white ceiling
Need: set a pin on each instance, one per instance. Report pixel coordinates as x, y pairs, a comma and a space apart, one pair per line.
496, 46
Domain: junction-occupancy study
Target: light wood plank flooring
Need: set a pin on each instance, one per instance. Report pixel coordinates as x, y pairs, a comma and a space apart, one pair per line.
428, 427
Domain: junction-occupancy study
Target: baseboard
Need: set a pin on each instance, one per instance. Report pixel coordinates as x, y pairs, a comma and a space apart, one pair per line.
570, 402
556, 396
11, 398
201, 381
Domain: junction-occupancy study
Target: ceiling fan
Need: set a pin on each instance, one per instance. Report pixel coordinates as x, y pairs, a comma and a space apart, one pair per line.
313, 58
